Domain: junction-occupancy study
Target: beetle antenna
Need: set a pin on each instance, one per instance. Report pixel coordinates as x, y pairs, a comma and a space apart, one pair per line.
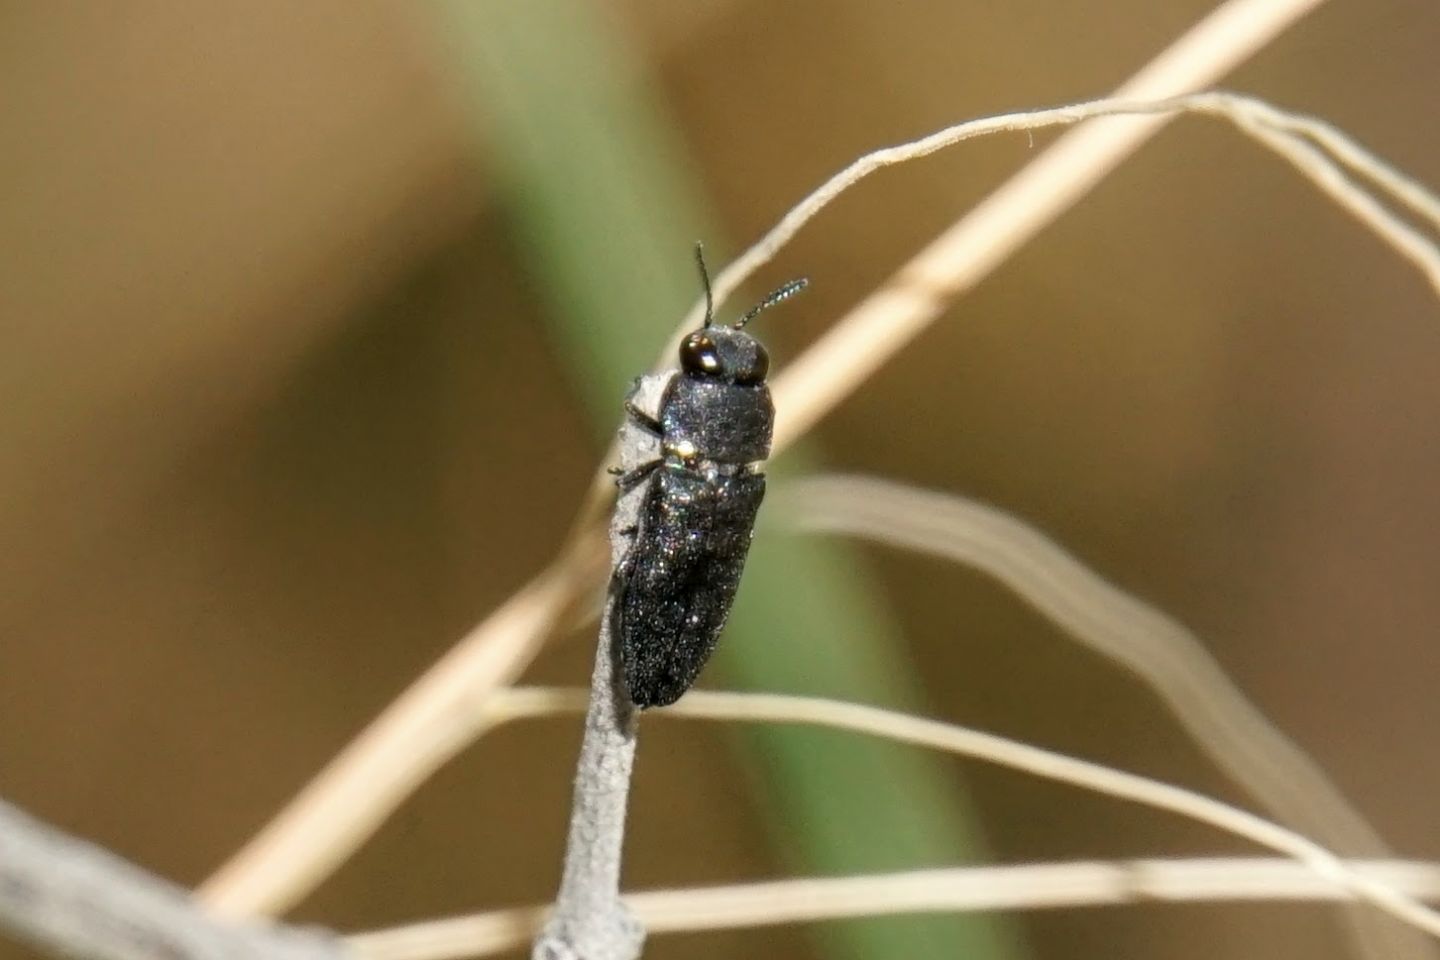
784, 293
705, 281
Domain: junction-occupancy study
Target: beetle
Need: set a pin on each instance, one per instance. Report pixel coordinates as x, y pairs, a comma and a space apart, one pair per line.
675, 584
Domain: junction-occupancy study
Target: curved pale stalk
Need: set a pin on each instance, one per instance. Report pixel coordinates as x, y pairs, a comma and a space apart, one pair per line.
535, 702
432, 721
1032, 886
1162, 652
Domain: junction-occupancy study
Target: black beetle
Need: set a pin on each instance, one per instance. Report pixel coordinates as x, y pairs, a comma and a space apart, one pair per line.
674, 586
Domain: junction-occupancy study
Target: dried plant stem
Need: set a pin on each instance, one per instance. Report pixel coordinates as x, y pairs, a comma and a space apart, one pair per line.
1153, 646
589, 921
1337, 878
1282, 132
876, 329
1319, 170
1404, 190
414, 736
991, 748
71, 898
1032, 886
1163, 653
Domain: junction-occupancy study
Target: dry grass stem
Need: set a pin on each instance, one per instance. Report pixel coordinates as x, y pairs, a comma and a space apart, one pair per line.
1034, 886
877, 328
432, 721
1328, 177
1209, 50
1405, 190
589, 918
1283, 132
72, 898
991, 748
1327, 871
1163, 653
859, 718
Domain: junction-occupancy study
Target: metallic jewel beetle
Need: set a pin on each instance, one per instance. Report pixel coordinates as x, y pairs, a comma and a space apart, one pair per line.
674, 587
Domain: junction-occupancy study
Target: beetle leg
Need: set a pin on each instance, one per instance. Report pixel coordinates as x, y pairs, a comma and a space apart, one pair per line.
625, 480
643, 420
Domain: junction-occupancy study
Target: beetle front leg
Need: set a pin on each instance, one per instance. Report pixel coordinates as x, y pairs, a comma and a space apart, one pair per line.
643, 420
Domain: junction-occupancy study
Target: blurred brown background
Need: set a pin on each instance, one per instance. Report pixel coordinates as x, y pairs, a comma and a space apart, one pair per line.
278, 422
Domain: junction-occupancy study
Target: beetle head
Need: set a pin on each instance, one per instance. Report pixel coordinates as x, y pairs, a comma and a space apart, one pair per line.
724, 353
730, 354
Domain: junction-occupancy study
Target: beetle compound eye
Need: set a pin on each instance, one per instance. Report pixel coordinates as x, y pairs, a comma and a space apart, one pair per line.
698, 354
759, 367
